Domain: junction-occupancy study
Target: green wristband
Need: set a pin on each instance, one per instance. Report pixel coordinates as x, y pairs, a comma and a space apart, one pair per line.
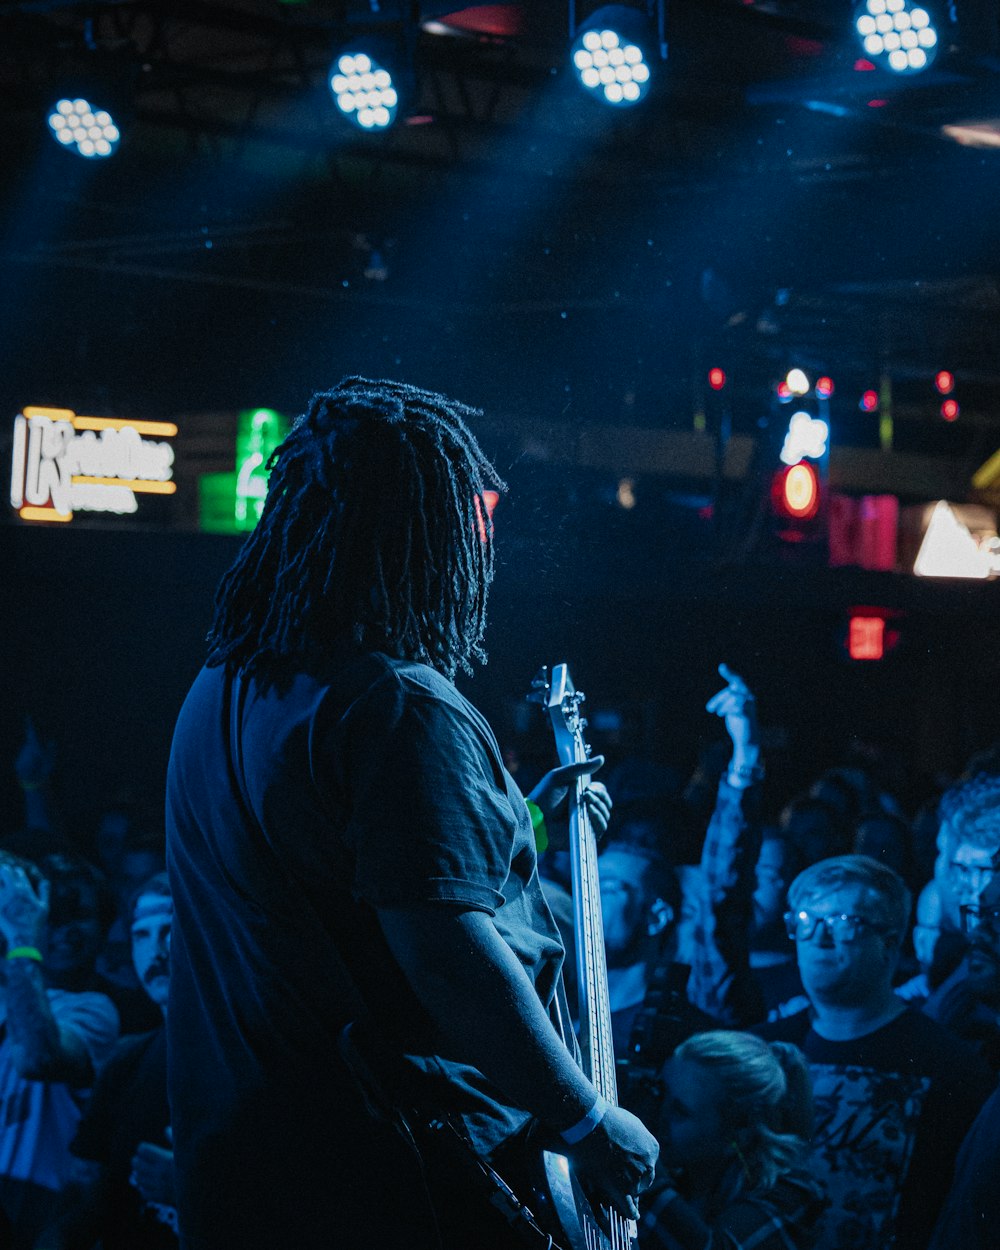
25, 952
538, 825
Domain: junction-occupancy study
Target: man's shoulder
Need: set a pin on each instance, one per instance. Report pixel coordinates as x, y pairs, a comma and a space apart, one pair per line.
786, 1028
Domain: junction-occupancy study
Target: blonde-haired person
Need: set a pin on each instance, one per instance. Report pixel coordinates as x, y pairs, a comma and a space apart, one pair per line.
736, 1120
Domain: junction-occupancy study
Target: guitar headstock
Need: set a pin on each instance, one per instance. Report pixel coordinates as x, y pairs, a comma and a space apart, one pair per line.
555, 691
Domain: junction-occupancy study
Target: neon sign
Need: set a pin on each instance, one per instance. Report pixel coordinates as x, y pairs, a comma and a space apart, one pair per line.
63, 463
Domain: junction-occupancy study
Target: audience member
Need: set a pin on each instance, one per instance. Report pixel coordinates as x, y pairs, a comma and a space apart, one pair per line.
938, 951
641, 901
895, 1092
735, 1124
772, 959
57, 1032
971, 1215
813, 828
123, 1191
968, 840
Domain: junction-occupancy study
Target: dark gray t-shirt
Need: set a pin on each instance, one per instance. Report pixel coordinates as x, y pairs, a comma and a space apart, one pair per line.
294, 810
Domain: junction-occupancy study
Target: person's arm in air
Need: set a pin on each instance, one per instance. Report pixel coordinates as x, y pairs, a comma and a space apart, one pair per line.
481, 1000
41, 1049
721, 982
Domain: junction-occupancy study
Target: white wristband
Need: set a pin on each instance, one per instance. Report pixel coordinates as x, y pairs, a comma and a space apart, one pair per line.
583, 1128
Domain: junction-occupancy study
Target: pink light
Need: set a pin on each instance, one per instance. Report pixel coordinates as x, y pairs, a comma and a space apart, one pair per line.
869, 401
717, 379
864, 66
950, 410
944, 381
824, 388
877, 104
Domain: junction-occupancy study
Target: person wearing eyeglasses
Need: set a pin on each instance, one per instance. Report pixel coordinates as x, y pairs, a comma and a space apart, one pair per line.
895, 1092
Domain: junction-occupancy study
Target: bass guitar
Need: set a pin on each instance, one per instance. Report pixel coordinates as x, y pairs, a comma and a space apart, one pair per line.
580, 1227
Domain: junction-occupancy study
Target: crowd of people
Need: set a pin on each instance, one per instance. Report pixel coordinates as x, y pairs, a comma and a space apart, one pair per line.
266, 1017
811, 1026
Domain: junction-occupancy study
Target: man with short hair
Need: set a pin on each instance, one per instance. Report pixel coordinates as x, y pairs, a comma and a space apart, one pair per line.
895, 1092
122, 1194
55, 1032
968, 840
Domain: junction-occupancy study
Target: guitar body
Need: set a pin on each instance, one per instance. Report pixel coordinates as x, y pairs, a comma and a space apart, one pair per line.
572, 1211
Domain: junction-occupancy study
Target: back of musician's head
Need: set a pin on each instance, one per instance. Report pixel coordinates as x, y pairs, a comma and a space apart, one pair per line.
373, 529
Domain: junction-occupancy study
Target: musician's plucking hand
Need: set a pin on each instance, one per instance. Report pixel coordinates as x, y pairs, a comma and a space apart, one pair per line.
555, 785
616, 1162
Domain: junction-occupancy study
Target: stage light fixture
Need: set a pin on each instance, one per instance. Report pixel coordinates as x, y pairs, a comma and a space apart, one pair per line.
611, 55
80, 125
897, 34
364, 90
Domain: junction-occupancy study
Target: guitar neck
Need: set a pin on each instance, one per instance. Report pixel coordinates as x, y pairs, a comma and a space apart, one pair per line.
596, 1041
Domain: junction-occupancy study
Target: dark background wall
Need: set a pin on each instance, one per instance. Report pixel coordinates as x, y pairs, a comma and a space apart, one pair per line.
103, 631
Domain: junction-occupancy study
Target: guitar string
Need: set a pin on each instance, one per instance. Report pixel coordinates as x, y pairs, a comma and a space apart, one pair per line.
599, 1022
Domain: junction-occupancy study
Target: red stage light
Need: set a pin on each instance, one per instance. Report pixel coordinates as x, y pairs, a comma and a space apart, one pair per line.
784, 391
866, 638
950, 410
864, 65
869, 401
824, 388
716, 379
944, 381
485, 523
795, 491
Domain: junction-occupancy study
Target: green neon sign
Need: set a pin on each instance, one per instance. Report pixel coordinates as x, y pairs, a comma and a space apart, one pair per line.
232, 503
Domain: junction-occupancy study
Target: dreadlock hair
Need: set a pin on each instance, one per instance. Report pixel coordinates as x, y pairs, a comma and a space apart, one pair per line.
373, 529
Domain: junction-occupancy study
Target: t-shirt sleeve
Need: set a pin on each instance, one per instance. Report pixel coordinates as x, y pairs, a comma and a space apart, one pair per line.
430, 820
93, 1018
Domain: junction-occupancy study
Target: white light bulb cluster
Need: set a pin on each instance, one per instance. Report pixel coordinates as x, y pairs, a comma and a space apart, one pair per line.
901, 33
364, 91
78, 125
611, 66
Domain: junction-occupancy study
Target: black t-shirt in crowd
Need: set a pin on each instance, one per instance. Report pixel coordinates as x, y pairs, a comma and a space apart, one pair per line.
295, 809
129, 1106
892, 1108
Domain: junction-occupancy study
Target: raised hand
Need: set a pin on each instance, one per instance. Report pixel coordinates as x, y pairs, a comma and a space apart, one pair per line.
735, 704
24, 911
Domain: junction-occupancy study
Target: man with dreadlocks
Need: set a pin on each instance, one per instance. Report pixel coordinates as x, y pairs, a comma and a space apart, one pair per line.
345, 845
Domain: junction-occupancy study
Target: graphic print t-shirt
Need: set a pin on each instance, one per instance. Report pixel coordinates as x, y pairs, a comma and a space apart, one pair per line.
892, 1109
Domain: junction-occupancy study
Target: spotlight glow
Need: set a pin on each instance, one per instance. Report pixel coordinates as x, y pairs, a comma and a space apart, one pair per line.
363, 91
897, 33
84, 128
610, 67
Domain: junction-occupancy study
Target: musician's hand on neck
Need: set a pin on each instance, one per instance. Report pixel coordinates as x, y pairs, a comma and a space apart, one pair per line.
555, 785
